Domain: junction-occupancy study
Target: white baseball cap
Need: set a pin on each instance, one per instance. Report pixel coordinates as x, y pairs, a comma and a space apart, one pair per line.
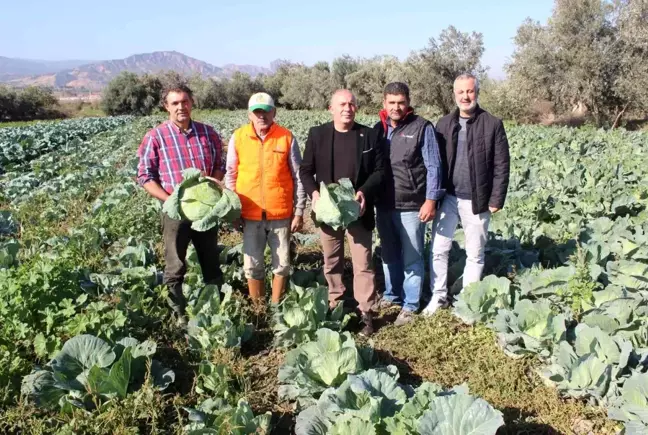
261, 101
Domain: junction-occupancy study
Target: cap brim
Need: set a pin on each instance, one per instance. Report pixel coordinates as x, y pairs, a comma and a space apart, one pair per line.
263, 107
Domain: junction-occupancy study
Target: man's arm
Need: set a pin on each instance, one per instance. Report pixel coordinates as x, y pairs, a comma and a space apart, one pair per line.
307, 167
219, 164
295, 162
155, 190
433, 180
231, 173
148, 169
432, 161
501, 168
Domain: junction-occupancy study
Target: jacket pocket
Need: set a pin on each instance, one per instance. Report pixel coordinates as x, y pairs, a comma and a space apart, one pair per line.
412, 182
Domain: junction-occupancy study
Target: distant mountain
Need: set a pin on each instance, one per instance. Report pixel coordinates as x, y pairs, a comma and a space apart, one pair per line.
10, 67
95, 76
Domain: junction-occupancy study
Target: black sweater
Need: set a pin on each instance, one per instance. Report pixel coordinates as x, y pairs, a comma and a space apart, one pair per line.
317, 164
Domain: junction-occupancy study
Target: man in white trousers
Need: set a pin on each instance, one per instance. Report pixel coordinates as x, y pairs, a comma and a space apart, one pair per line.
475, 156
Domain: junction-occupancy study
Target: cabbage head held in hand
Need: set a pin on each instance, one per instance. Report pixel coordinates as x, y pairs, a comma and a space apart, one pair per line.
202, 201
337, 206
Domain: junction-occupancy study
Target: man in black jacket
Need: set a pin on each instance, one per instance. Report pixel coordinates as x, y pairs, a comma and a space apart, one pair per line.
346, 149
475, 155
413, 178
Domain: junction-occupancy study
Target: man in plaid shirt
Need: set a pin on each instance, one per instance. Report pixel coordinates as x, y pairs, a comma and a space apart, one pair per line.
165, 151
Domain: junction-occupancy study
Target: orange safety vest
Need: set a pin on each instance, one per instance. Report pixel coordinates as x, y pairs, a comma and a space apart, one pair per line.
264, 181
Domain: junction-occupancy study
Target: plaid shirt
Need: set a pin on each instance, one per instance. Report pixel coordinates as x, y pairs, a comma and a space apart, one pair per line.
166, 150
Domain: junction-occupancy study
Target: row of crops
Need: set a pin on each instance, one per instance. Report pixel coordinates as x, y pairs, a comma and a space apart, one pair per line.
85, 337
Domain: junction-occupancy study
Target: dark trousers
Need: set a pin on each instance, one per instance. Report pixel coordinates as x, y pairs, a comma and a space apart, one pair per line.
177, 235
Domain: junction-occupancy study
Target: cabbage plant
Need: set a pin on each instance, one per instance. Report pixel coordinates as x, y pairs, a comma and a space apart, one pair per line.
531, 328
88, 371
216, 319
631, 406
302, 312
480, 301
586, 377
217, 416
373, 402
336, 206
319, 364
202, 201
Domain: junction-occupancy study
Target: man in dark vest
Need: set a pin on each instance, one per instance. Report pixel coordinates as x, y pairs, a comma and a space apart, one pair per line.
475, 155
412, 189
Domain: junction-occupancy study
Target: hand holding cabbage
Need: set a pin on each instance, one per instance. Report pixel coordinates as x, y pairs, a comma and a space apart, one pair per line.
202, 201
337, 205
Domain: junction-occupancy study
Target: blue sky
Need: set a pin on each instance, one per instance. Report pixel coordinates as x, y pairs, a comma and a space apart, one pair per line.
255, 32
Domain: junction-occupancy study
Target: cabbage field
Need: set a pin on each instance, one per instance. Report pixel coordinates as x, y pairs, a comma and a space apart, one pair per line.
553, 340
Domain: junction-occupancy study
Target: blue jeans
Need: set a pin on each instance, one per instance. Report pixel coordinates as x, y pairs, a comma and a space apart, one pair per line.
402, 239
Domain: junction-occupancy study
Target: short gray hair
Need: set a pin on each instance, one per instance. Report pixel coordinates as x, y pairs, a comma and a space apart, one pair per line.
339, 91
468, 76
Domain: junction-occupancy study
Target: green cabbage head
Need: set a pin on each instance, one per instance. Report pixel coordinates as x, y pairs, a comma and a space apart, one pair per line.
337, 206
202, 202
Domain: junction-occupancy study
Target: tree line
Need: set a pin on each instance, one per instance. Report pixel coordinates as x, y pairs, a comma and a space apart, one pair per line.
28, 104
587, 63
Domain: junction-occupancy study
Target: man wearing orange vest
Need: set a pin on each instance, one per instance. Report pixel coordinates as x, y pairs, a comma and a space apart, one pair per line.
263, 161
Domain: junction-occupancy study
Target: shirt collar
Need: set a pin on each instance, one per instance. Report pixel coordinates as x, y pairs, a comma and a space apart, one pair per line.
177, 129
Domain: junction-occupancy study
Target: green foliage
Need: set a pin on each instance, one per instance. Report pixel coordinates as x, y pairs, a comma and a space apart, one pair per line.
337, 206
480, 301
218, 417
566, 63
325, 362
27, 104
130, 94
216, 319
631, 406
302, 312
202, 201
374, 402
88, 371
23, 144
530, 328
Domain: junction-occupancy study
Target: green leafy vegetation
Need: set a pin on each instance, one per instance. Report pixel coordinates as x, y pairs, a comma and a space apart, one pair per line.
81, 261
202, 202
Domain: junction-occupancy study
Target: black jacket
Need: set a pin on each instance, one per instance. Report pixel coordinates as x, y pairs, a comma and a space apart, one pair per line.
317, 164
488, 156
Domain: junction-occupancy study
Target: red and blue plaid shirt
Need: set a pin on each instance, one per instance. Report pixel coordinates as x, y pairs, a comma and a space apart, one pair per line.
166, 151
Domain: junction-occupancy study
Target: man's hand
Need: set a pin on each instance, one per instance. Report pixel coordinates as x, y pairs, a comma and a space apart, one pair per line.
218, 174
297, 224
427, 211
361, 199
493, 209
314, 198
217, 181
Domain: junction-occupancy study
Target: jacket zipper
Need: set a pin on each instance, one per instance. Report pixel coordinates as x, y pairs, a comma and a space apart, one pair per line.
263, 210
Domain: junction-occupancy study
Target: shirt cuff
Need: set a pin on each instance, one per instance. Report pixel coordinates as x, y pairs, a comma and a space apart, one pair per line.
299, 212
435, 195
143, 180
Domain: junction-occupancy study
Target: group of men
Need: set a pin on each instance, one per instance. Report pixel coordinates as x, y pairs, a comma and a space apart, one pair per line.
405, 171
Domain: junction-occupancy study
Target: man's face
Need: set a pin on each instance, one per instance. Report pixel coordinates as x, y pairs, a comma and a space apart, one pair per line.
261, 119
465, 93
178, 104
396, 106
343, 107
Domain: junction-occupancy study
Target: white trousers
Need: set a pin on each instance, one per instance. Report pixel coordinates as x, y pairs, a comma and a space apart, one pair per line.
454, 210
